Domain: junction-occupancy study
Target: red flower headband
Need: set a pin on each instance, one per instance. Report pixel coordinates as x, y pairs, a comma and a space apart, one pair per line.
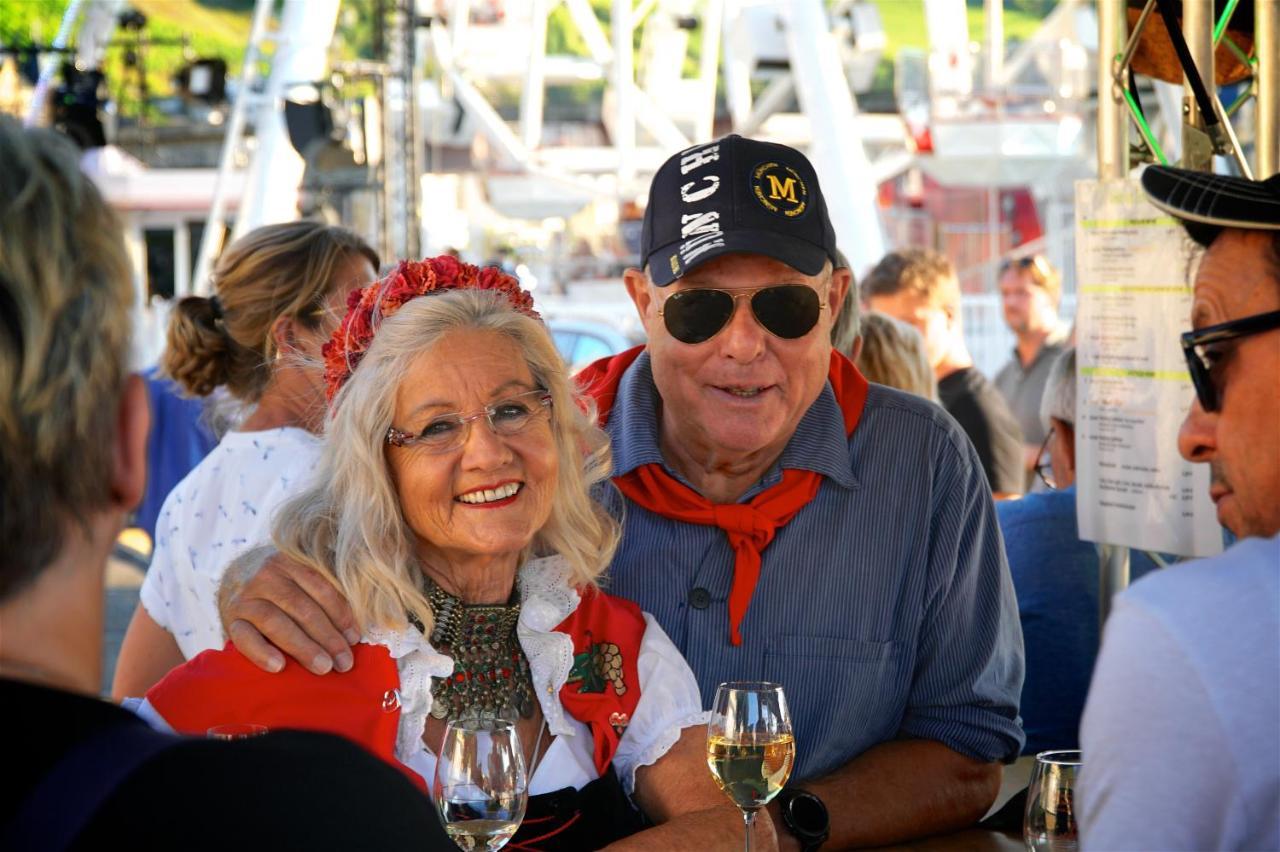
369, 306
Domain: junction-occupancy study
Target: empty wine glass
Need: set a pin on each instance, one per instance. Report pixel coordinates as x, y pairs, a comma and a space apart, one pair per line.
480, 786
750, 748
1050, 820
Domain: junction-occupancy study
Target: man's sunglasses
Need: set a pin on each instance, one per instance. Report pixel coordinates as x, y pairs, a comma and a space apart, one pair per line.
1035, 260
698, 314
1202, 354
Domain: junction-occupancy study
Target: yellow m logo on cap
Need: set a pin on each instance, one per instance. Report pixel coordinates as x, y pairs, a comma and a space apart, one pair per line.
782, 189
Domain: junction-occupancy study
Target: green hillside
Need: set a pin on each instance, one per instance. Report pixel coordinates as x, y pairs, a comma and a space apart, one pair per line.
221, 28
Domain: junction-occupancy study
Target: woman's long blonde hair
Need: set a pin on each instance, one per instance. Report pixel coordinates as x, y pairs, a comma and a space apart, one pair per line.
349, 525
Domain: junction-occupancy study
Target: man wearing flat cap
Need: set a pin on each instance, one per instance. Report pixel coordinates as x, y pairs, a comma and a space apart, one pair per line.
1180, 733
784, 520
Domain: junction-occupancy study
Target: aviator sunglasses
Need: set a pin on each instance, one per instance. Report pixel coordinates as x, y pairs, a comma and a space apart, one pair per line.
1203, 351
696, 315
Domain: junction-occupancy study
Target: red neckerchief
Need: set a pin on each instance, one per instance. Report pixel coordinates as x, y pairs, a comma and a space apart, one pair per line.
750, 526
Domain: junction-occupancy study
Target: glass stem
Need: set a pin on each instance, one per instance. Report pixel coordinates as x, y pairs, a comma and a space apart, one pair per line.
748, 817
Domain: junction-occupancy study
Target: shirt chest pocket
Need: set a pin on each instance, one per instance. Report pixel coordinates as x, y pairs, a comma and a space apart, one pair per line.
845, 695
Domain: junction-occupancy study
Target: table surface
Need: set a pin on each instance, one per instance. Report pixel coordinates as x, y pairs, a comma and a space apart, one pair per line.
966, 840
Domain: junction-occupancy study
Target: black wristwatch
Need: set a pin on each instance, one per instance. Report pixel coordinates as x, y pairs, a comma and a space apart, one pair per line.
805, 816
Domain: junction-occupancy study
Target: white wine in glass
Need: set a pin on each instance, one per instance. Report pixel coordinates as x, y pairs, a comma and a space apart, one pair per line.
480, 786
750, 747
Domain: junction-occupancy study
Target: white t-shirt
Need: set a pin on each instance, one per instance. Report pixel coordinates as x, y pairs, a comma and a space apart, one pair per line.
1181, 732
222, 508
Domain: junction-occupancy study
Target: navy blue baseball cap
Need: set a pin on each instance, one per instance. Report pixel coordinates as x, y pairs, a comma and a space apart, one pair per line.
735, 195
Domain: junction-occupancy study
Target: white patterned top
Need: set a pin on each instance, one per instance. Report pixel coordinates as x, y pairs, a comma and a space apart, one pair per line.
221, 509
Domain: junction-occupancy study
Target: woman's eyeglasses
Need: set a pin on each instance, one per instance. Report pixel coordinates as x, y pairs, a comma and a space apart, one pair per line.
1044, 465
447, 432
1202, 351
698, 314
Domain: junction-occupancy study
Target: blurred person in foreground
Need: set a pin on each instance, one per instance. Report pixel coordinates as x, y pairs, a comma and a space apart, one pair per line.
278, 293
919, 287
1180, 735
1030, 290
80, 773
452, 509
783, 519
893, 354
1056, 577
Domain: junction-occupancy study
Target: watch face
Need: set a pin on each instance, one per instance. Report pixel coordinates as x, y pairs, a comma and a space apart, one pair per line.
808, 815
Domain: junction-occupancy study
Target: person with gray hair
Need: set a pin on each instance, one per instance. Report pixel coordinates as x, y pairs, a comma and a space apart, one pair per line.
80, 772
1055, 577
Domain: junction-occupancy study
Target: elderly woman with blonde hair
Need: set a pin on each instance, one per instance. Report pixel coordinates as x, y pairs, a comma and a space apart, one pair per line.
453, 510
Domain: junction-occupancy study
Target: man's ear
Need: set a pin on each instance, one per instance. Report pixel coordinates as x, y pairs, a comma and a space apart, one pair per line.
1069, 446
640, 292
856, 349
841, 279
129, 455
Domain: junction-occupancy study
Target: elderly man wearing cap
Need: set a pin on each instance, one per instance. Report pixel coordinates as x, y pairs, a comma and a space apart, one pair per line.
1182, 749
783, 519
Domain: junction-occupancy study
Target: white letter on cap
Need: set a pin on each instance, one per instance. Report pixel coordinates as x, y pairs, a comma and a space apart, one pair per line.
699, 223
700, 157
700, 194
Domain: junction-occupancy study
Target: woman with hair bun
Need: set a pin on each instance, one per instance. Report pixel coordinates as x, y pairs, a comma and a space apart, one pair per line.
279, 292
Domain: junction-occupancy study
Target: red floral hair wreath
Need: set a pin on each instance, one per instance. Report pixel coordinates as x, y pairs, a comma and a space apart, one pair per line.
369, 306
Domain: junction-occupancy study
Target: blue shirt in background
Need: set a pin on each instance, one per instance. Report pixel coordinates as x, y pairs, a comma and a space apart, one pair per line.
179, 439
884, 607
1055, 575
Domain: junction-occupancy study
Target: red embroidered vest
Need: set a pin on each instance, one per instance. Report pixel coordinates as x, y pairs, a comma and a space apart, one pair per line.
223, 687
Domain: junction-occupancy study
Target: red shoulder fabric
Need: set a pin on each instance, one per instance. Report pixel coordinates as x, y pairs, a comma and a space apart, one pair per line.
749, 526
600, 379
224, 688
604, 684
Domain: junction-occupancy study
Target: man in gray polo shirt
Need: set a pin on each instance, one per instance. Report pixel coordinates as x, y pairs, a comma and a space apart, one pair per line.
1030, 290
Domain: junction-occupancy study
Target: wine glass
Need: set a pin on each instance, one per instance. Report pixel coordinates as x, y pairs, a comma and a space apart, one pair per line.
750, 748
1050, 820
235, 732
480, 785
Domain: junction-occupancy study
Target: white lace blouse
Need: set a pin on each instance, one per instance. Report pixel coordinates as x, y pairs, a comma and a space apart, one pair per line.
669, 698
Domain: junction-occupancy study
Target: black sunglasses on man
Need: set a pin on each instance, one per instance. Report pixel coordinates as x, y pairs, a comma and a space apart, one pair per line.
1202, 353
696, 315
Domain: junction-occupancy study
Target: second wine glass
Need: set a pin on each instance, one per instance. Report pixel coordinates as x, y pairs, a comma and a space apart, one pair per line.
750, 747
480, 785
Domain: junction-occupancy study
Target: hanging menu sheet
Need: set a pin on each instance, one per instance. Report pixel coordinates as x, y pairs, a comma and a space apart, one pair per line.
1133, 274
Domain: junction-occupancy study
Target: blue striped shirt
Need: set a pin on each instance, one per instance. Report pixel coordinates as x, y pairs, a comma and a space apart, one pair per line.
884, 607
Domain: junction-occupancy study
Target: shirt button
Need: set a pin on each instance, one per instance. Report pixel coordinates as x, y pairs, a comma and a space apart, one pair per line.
699, 598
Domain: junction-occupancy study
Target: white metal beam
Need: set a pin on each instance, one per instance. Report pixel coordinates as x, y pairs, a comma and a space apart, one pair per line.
1113, 117
211, 239
624, 78
837, 151
533, 93
1266, 18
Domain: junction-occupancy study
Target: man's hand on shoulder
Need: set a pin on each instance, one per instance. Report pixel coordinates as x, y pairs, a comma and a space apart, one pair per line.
272, 606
